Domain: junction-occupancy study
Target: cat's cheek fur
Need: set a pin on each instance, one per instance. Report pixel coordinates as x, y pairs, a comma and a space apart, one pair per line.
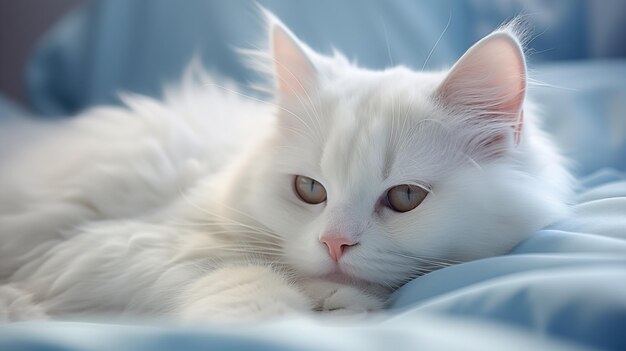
307, 254
481, 212
244, 293
282, 212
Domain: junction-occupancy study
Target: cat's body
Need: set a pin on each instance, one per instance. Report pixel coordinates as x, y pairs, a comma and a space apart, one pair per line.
187, 207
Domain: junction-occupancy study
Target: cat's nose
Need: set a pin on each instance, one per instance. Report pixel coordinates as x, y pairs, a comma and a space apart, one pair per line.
336, 245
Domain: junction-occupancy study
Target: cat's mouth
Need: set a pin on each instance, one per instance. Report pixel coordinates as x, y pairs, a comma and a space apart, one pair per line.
338, 276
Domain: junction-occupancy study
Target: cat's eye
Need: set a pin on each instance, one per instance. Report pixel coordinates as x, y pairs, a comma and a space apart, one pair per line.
405, 197
309, 190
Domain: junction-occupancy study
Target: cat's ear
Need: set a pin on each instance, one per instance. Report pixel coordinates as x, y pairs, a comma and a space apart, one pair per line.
489, 80
294, 71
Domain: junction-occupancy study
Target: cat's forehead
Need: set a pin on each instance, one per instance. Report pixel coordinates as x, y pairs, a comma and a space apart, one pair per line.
372, 127
399, 81
364, 129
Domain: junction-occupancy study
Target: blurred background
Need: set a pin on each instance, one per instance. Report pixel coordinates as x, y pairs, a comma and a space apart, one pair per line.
22, 23
58, 57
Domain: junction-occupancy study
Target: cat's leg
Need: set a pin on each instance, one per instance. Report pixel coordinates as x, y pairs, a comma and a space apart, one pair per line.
243, 293
17, 305
135, 268
338, 298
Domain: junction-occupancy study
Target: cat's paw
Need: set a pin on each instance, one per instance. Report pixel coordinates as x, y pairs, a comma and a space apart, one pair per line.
342, 299
17, 305
242, 294
346, 300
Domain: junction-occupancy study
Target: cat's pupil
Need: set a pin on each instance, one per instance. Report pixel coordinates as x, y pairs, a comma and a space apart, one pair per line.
405, 197
309, 190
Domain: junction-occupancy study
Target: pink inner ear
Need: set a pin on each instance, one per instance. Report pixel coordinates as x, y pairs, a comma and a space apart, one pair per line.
490, 78
295, 74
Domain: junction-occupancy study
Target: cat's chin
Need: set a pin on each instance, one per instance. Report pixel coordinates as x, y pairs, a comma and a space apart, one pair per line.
338, 274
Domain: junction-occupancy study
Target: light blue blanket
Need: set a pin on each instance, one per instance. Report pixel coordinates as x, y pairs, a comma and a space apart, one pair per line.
564, 288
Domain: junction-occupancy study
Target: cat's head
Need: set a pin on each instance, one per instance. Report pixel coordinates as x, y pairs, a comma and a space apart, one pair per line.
379, 176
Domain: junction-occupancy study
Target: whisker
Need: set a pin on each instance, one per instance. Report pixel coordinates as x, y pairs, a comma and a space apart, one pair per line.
222, 217
438, 40
429, 259
242, 249
222, 225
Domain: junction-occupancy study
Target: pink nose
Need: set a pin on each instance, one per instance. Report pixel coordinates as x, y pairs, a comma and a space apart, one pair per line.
336, 245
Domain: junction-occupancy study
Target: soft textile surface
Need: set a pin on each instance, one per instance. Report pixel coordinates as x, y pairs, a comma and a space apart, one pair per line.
564, 287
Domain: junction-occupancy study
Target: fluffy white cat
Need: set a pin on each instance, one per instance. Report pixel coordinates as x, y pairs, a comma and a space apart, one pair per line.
213, 205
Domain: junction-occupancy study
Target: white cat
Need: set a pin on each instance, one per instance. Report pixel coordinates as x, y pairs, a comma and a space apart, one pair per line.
216, 206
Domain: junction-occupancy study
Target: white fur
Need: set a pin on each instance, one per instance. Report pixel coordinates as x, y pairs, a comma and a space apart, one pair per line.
185, 207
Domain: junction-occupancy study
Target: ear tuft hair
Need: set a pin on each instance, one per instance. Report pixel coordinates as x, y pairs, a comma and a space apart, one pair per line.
284, 59
488, 83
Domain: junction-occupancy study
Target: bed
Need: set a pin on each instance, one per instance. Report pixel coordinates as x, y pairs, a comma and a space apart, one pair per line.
563, 288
